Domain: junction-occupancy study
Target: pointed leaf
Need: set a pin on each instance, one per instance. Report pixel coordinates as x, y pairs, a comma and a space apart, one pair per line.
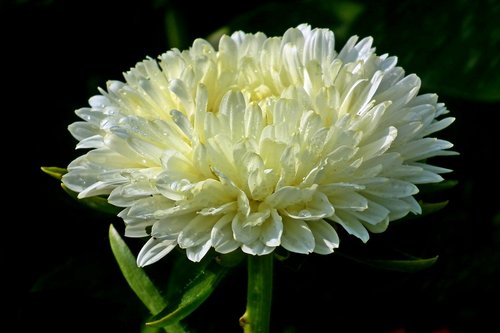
435, 187
407, 265
432, 207
401, 265
204, 279
136, 278
427, 209
55, 172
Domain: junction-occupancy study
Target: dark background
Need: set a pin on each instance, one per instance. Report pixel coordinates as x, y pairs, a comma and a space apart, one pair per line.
58, 271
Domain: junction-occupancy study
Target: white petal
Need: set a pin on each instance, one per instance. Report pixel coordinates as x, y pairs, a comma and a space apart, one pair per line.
233, 105
374, 214
243, 233
289, 195
222, 235
348, 200
228, 52
352, 225
347, 54
424, 148
98, 188
297, 236
182, 122
253, 120
136, 226
389, 188
377, 228
431, 168
317, 208
272, 230
82, 130
196, 253
92, 116
171, 226
257, 218
145, 208
179, 88
95, 141
414, 205
398, 208
401, 92
379, 146
423, 177
320, 45
197, 231
154, 250
325, 236
219, 210
257, 248
437, 126
99, 101
292, 62
173, 188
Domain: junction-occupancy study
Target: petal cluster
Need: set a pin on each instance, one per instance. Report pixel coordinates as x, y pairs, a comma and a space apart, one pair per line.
260, 143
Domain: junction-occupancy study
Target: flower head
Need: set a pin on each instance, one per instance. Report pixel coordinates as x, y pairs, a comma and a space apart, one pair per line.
265, 142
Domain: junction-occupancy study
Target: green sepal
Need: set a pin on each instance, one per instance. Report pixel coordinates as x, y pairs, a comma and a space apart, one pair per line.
406, 265
432, 207
427, 209
411, 265
55, 172
189, 286
436, 187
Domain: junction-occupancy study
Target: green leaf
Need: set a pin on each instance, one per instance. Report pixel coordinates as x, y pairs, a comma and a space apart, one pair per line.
427, 209
436, 187
55, 172
97, 203
136, 278
139, 281
400, 265
183, 298
408, 265
432, 207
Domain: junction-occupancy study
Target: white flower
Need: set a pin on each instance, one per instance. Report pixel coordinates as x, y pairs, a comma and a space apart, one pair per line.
266, 142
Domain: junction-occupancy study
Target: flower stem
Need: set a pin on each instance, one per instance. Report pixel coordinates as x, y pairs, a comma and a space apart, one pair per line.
259, 294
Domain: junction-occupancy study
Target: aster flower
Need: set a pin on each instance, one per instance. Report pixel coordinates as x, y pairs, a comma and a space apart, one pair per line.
262, 143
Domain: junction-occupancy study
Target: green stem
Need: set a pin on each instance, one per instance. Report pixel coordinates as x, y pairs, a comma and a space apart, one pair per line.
259, 294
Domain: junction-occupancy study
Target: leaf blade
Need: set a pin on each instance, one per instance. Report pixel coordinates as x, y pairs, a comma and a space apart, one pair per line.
411, 265
135, 276
201, 286
55, 172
